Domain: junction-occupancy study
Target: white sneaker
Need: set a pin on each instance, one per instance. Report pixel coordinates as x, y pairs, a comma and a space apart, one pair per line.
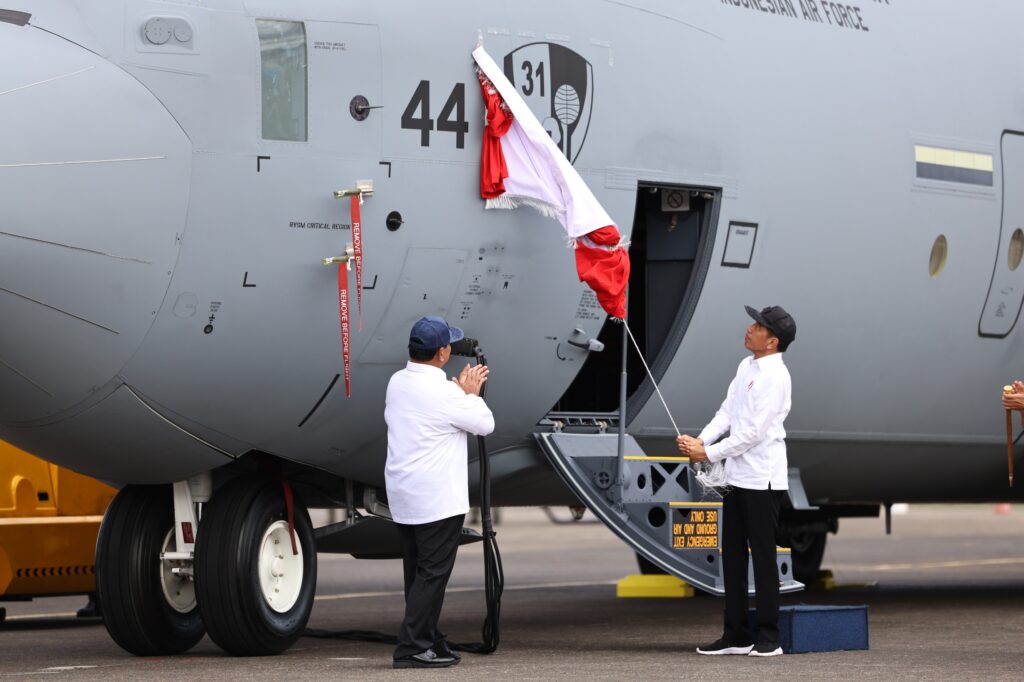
765, 650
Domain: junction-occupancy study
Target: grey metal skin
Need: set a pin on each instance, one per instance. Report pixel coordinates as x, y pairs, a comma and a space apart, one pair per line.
140, 207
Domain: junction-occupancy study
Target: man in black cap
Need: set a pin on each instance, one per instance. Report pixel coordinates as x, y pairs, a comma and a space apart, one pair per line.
754, 409
426, 477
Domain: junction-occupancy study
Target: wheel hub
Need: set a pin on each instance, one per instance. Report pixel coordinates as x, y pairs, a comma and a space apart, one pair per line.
176, 578
280, 570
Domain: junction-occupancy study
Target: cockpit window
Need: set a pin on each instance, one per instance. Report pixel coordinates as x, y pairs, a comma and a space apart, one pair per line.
283, 50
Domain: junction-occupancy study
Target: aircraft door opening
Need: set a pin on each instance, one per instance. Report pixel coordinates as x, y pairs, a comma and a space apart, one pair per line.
669, 252
1006, 292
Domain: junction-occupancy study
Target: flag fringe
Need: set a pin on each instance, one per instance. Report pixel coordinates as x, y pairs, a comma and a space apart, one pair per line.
491, 90
507, 201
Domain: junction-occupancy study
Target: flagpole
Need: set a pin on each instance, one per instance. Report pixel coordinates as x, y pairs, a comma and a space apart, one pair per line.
622, 407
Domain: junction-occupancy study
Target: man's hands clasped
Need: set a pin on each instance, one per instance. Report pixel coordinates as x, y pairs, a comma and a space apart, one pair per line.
692, 448
471, 379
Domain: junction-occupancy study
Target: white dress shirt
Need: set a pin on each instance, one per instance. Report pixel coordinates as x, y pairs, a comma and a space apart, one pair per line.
753, 411
428, 418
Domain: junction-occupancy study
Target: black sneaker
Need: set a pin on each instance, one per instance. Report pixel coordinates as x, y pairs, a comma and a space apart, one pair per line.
425, 659
766, 650
722, 647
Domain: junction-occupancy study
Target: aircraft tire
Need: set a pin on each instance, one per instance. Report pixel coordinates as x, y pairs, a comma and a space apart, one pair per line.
808, 551
648, 567
242, 552
128, 575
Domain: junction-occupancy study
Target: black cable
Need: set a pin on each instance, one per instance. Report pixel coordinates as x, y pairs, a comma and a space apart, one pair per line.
494, 573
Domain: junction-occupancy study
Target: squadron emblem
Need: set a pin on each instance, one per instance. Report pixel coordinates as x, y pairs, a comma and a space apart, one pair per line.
558, 85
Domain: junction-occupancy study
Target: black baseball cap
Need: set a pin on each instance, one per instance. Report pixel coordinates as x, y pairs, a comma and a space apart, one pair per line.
431, 333
777, 321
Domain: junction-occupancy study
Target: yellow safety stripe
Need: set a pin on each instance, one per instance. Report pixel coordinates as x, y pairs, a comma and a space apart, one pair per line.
953, 158
642, 458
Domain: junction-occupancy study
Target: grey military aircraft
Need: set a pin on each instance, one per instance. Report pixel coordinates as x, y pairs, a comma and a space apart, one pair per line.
168, 182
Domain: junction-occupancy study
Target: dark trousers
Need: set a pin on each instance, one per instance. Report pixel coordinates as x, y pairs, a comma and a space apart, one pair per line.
751, 519
428, 556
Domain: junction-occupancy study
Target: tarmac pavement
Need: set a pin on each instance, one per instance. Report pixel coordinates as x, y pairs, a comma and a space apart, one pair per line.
945, 594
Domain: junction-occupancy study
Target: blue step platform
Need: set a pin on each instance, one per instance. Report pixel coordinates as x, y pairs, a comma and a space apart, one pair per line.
806, 628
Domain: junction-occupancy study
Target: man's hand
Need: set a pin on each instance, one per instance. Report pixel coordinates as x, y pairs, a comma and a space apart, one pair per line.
1015, 399
471, 379
692, 448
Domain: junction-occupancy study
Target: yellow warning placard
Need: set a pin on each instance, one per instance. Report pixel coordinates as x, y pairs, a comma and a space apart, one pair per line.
695, 528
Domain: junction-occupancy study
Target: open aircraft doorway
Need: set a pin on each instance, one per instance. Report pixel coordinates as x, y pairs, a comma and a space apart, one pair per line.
650, 500
670, 253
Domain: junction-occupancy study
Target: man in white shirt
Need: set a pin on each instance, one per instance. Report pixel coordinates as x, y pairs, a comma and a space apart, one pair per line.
754, 452
426, 477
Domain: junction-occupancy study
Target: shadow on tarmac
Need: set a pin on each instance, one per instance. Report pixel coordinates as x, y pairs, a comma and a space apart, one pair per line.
55, 623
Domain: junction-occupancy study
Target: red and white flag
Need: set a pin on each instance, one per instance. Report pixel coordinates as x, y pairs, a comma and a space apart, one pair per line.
522, 166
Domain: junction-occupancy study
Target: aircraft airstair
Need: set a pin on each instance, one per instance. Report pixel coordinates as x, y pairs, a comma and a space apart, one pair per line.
653, 503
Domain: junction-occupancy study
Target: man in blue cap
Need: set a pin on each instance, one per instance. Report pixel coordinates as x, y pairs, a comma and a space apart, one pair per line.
426, 476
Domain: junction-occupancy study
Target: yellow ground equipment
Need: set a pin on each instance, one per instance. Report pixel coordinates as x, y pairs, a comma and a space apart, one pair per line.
659, 585
49, 518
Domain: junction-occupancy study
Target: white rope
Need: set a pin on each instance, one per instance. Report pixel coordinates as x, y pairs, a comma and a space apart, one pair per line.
656, 389
709, 474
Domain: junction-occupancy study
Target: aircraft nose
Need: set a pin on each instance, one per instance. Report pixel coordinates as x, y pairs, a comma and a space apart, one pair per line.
94, 177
